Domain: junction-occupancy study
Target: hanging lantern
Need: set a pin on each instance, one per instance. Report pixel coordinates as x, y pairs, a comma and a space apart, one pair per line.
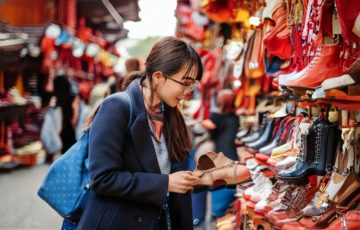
92, 50
78, 48
53, 31
64, 38
233, 49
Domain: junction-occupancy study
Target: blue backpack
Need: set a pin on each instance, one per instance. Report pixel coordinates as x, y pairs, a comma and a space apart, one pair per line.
66, 184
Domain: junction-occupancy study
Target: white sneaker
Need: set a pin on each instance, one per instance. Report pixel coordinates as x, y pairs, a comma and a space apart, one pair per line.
286, 163
337, 82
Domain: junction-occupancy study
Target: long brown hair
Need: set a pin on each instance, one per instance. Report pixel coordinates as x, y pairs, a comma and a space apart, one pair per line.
169, 56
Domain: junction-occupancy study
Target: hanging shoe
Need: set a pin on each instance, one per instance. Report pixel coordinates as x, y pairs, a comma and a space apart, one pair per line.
259, 182
258, 133
282, 204
285, 79
326, 66
339, 184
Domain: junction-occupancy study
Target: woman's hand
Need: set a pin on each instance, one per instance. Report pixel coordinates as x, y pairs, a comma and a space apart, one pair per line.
182, 181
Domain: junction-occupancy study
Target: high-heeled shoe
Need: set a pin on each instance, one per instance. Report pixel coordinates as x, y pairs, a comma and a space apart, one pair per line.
216, 172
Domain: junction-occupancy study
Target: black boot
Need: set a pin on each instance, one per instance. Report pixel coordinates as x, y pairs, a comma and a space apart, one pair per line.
264, 138
316, 153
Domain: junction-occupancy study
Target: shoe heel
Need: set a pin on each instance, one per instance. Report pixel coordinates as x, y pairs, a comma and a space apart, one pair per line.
208, 188
231, 186
200, 189
214, 188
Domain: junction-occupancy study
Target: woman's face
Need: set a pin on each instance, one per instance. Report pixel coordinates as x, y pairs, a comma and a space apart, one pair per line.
172, 89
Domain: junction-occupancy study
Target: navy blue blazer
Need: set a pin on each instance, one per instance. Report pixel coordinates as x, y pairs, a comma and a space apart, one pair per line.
127, 188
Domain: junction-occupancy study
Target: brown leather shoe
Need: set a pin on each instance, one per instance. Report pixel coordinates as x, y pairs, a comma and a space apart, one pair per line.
215, 172
206, 161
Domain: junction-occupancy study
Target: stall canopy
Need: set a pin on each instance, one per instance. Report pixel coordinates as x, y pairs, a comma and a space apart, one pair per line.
95, 9
100, 14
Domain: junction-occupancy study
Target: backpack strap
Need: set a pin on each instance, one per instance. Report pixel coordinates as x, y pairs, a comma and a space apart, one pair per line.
128, 99
129, 103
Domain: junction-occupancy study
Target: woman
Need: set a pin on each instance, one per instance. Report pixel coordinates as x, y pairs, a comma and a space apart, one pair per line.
66, 100
137, 177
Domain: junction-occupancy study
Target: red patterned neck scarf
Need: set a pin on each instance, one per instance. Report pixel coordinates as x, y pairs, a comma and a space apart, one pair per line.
155, 115
156, 119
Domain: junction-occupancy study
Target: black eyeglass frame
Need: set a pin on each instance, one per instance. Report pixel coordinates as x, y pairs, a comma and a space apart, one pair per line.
188, 87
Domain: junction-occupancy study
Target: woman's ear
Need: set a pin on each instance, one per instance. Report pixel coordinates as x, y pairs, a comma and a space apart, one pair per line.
156, 77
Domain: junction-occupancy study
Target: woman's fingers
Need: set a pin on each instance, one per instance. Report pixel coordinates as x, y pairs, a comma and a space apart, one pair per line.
191, 177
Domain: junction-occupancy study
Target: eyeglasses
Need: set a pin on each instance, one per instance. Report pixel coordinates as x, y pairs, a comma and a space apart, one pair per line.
189, 87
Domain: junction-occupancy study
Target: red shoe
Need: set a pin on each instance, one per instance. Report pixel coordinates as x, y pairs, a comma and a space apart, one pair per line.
294, 204
278, 41
327, 66
351, 221
262, 157
304, 223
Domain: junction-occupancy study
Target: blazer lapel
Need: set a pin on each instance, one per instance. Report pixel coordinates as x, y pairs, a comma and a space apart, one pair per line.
141, 137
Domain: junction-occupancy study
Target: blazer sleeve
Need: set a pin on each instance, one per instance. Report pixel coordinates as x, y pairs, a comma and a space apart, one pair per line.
106, 141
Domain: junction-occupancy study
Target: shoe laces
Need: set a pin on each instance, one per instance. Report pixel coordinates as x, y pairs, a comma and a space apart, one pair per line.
318, 141
279, 187
297, 202
286, 199
315, 59
300, 156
